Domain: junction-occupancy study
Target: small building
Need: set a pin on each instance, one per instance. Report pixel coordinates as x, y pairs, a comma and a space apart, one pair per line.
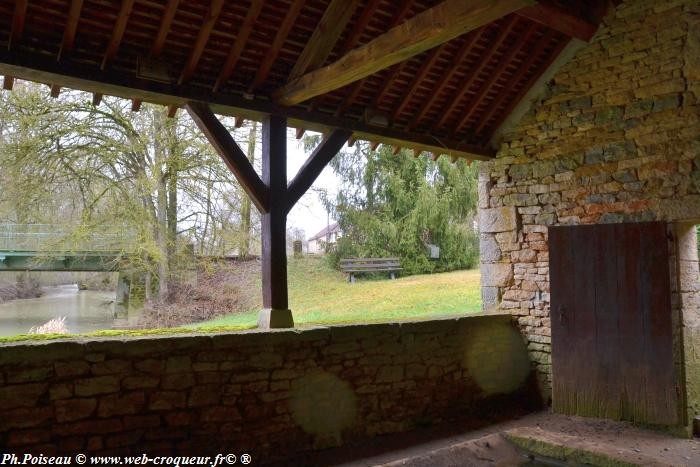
325, 239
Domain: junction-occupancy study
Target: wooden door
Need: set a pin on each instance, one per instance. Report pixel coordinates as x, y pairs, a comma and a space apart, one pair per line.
612, 340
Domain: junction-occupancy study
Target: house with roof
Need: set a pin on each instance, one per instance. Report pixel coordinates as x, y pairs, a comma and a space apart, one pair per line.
324, 240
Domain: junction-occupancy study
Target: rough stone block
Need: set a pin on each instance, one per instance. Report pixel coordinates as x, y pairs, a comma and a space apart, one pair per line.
490, 297
489, 249
121, 404
21, 395
495, 220
98, 385
496, 275
74, 409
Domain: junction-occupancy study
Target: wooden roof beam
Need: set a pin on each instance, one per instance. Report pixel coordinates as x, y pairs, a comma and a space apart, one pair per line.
503, 62
445, 78
560, 20
356, 88
202, 39
419, 76
118, 32
533, 55
18, 21
231, 153
467, 82
241, 39
314, 165
71, 28
528, 85
164, 29
433, 27
324, 37
39, 68
277, 43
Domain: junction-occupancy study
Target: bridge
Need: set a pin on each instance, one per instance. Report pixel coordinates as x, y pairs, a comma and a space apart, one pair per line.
48, 247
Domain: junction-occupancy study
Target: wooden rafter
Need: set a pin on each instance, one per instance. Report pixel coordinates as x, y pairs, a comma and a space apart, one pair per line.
239, 43
529, 83
159, 42
503, 62
437, 25
315, 164
445, 78
418, 77
560, 20
280, 37
365, 16
533, 55
356, 88
476, 71
118, 31
71, 28
164, 28
202, 39
231, 153
113, 82
324, 37
18, 19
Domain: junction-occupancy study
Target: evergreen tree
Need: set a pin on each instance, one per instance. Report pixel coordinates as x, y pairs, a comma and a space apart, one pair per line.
396, 205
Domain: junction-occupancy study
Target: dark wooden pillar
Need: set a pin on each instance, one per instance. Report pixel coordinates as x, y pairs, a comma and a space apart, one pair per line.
275, 313
271, 195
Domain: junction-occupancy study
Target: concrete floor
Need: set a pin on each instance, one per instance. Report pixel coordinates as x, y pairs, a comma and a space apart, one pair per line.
488, 447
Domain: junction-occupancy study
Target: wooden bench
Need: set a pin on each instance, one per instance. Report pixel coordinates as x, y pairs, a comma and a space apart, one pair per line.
352, 266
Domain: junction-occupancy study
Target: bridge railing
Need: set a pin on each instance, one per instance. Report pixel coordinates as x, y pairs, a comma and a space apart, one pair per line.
57, 238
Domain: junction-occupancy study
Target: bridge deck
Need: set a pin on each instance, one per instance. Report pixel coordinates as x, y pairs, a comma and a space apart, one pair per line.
46, 247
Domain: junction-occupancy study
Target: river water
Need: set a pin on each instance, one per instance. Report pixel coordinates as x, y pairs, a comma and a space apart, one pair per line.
85, 310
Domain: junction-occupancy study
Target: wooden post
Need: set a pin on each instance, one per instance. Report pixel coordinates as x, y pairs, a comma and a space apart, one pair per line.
275, 313
271, 195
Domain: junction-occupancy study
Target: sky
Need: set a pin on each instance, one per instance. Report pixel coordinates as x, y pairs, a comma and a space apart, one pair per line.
309, 214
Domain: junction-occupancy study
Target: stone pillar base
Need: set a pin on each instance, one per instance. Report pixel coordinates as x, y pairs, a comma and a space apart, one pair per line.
270, 319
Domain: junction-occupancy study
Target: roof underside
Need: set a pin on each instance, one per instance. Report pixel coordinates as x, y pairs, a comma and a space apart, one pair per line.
236, 55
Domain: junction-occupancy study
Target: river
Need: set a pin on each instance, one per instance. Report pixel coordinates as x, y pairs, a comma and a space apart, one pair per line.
85, 310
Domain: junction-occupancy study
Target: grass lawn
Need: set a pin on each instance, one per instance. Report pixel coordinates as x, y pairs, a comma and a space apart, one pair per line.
321, 295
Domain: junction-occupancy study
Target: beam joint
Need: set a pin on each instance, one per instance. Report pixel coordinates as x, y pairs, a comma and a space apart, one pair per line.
231, 153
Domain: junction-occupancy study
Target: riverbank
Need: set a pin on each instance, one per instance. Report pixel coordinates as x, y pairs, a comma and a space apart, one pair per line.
228, 294
26, 288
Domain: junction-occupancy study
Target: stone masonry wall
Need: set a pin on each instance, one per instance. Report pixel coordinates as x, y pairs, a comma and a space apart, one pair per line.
272, 394
614, 138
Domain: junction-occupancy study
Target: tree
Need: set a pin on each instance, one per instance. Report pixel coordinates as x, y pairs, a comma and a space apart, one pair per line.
65, 161
396, 205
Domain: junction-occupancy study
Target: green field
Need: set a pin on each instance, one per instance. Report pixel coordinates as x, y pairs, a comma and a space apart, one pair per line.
321, 295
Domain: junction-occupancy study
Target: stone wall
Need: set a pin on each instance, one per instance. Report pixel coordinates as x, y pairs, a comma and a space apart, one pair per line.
271, 394
613, 138
686, 287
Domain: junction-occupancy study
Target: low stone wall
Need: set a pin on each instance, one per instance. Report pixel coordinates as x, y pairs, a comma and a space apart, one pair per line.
271, 394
